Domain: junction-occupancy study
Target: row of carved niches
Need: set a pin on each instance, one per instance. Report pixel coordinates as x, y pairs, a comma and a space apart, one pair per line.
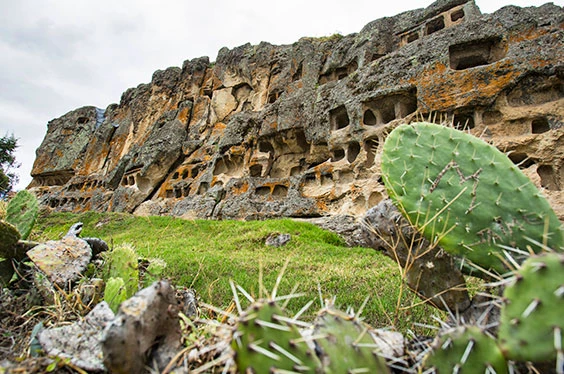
354, 151
444, 20
551, 176
55, 178
280, 155
187, 172
535, 105
178, 191
86, 185
341, 187
495, 123
69, 203
385, 109
351, 152
272, 191
181, 182
129, 180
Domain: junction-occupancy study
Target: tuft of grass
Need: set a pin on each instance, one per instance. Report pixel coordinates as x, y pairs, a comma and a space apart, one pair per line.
206, 255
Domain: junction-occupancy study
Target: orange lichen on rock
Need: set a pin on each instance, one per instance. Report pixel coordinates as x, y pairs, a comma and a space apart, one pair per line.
240, 188
444, 89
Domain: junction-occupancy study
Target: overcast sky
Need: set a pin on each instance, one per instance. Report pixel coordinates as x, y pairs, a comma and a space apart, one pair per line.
59, 55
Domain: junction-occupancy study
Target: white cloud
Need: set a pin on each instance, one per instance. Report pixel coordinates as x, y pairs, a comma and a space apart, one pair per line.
57, 55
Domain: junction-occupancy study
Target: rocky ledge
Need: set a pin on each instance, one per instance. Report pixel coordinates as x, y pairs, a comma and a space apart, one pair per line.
297, 130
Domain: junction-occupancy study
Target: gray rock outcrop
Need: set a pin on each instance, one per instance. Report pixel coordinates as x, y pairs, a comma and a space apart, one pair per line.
297, 130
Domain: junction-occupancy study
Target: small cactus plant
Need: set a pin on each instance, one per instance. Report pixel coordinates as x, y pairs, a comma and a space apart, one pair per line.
121, 274
465, 195
115, 293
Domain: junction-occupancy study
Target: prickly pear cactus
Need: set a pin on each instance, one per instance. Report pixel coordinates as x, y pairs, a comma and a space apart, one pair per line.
22, 212
115, 293
154, 272
9, 236
532, 321
346, 344
466, 350
264, 341
122, 262
465, 195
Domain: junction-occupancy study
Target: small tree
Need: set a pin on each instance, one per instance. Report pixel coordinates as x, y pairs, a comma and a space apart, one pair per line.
8, 178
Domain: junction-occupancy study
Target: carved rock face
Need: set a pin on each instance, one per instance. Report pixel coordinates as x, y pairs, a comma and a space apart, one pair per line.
297, 130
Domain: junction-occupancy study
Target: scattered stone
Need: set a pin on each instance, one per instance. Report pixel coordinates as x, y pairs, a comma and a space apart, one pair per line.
62, 261
97, 245
278, 240
65, 260
188, 302
146, 325
390, 343
81, 341
346, 226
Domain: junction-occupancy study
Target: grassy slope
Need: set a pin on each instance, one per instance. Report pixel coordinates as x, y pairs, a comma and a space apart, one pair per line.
206, 254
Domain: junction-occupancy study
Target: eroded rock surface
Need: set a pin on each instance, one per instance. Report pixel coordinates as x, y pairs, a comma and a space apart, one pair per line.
148, 320
81, 341
62, 260
297, 130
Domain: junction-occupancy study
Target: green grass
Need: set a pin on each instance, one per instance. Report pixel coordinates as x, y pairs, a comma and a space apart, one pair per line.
205, 255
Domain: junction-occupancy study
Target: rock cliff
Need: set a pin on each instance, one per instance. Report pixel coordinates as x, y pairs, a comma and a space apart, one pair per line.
296, 130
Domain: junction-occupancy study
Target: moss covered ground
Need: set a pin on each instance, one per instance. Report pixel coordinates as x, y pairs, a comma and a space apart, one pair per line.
206, 255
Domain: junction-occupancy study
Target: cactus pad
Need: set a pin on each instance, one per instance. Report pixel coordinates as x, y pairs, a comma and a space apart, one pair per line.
465, 195
122, 262
264, 342
346, 344
22, 212
531, 318
9, 236
466, 350
115, 293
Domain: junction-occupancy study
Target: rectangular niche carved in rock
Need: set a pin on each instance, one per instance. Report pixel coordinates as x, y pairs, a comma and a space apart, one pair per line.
476, 53
231, 166
435, 25
338, 73
385, 109
464, 120
536, 89
339, 118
